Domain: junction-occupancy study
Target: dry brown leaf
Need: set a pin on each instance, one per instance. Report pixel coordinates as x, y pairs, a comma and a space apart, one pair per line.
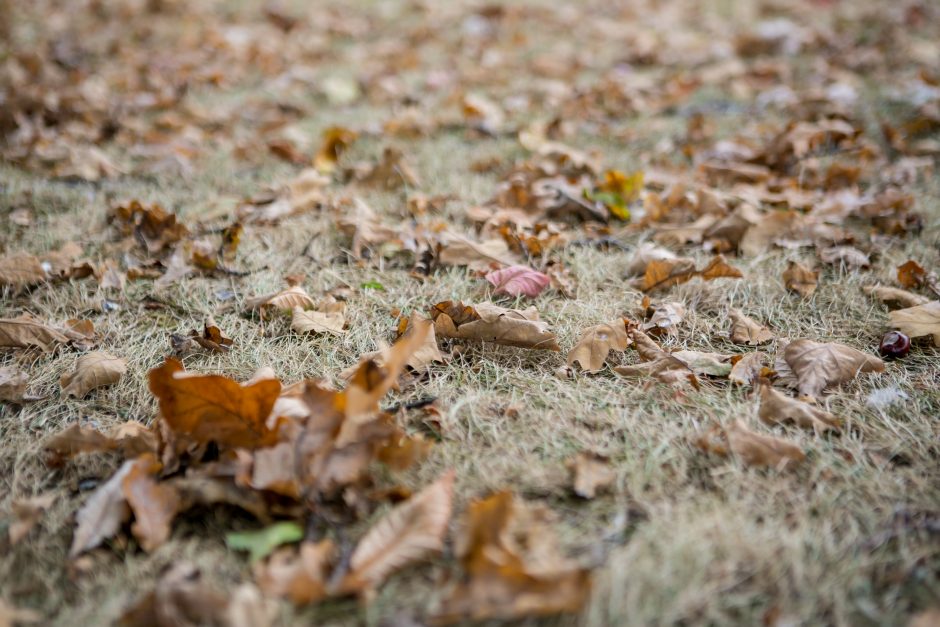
918, 321
404, 451
26, 513
329, 319
748, 368
336, 140
77, 439
911, 274
812, 367
702, 363
779, 408
13, 384
595, 345
663, 273
10, 616
21, 270
510, 555
800, 279
592, 472
427, 353
154, 505
456, 250
847, 256
213, 408
664, 318
754, 449
180, 599
486, 322
745, 330
92, 370
26, 331
285, 300
648, 252
102, 514
298, 575
895, 296
408, 533
658, 365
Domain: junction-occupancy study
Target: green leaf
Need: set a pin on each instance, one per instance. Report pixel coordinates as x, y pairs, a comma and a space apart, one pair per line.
262, 542
372, 285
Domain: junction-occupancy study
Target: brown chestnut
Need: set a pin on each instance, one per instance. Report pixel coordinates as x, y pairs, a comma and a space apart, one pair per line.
894, 345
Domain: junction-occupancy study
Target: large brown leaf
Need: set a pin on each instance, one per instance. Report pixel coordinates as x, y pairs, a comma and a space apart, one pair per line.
154, 505
812, 367
779, 408
486, 322
213, 408
407, 534
93, 370
595, 345
918, 321
26, 331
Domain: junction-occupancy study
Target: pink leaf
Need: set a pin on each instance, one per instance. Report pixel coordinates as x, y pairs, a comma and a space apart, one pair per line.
516, 280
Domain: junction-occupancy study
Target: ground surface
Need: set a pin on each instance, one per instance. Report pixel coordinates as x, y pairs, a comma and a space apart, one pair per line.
186, 100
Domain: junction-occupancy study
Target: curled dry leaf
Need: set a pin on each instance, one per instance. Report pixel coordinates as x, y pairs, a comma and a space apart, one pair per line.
285, 300
336, 140
665, 318
329, 318
918, 321
776, 407
893, 296
103, 513
752, 449
595, 345
746, 330
513, 567
298, 575
847, 256
748, 368
663, 273
13, 384
26, 331
486, 322
21, 270
658, 364
800, 279
702, 363
154, 505
26, 513
93, 370
592, 472
911, 274
411, 531
518, 281
213, 408
812, 367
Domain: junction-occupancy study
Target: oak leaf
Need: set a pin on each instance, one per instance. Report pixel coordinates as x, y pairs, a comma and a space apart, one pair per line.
776, 407
213, 408
812, 367
800, 279
595, 344
518, 281
918, 321
746, 330
26, 331
93, 370
487, 322
405, 535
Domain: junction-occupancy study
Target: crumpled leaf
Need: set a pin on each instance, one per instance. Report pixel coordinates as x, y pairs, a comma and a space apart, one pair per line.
26, 513
487, 322
93, 370
847, 256
518, 281
285, 300
800, 279
513, 567
752, 449
665, 318
103, 513
658, 364
405, 535
13, 384
746, 330
154, 505
300, 576
663, 273
213, 408
699, 362
336, 140
648, 252
329, 318
776, 407
918, 321
812, 367
591, 472
26, 331
895, 296
595, 344
748, 368
260, 543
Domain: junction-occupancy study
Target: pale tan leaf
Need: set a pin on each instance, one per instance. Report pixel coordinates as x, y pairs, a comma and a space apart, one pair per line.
745, 330
591, 473
817, 366
26, 331
487, 322
699, 362
754, 449
748, 368
665, 318
102, 514
895, 296
800, 279
318, 321
93, 370
285, 300
779, 408
595, 345
21, 270
918, 321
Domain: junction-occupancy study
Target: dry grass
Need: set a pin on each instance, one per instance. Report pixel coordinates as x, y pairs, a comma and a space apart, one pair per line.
681, 538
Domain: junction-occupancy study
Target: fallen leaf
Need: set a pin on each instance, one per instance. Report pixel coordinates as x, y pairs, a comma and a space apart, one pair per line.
13, 384
752, 449
648, 252
699, 362
800, 279
26, 513
665, 318
93, 370
911, 274
595, 344
918, 321
285, 300
75, 440
778, 408
336, 140
847, 256
663, 273
179, 599
487, 322
26, 331
330, 319
812, 367
746, 330
103, 513
748, 368
895, 296
211, 338
408, 533
213, 408
300, 576
592, 472
154, 505
21, 270
263, 542
518, 281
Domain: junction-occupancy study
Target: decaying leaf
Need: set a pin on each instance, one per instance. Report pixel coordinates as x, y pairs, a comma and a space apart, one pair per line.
752, 449
103, 513
895, 296
26, 331
518, 281
748, 368
595, 344
26, 513
487, 322
285, 300
405, 535
329, 318
21, 270
746, 330
664, 318
918, 321
300, 576
213, 408
154, 505
591, 472
811, 367
776, 407
13, 384
663, 273
513, 567
800, 279
93, 370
